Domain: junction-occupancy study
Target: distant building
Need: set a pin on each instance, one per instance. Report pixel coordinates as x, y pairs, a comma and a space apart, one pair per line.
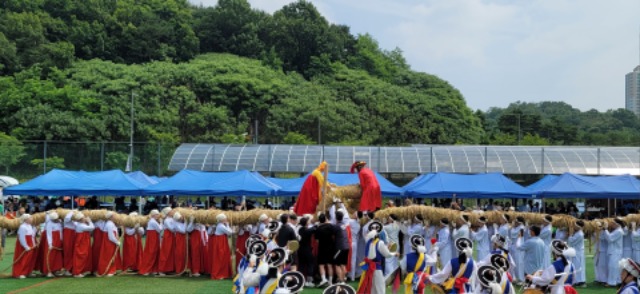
632, 91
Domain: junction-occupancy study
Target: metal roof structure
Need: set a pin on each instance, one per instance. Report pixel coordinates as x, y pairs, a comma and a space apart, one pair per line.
416, 159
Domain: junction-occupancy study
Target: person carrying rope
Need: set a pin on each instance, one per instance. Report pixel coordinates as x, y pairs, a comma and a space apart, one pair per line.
24, 257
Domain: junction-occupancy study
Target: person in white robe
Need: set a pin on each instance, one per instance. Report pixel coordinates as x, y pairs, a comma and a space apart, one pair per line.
376, 253
354, 223
416, 227
533, 250
392, 230
481, 237
461, 231
545, 236
518, 228
627, 248
600, 256
443, 243
576, 241
635, 244
613, 234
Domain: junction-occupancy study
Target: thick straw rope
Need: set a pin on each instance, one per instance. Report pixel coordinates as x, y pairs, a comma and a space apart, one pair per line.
430, 214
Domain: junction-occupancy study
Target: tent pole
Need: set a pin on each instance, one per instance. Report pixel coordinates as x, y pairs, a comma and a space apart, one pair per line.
139, 205
608, 207
72, 199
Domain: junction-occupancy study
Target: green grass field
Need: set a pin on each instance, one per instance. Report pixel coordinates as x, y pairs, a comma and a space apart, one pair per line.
138, 284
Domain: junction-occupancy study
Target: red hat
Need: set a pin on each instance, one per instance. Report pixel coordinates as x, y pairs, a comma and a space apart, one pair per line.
357, 164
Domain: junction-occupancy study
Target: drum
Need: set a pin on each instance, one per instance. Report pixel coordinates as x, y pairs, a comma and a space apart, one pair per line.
532, 291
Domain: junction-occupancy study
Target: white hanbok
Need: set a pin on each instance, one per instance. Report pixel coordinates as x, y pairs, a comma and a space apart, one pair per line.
483, 243
614, 254
517, 272
576, 241
392, 231
545, 236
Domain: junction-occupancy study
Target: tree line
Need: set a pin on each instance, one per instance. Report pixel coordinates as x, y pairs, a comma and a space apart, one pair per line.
69, 70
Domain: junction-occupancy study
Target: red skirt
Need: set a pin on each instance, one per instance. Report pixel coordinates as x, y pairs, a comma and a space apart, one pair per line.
150, 255
220, 257
109, 260
131, 252
166, 261
68, 239
241, 247
82, 254
23, 262
196, 253
206, 256
180, 252
40, 252
52, 261
98, 235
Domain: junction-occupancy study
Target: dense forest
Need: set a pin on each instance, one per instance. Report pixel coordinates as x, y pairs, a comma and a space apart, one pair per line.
69, 70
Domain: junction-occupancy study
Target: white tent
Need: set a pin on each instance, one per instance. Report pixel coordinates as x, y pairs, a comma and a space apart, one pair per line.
6, 181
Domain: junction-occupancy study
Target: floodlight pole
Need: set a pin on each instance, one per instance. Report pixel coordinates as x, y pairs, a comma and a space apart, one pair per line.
130, 161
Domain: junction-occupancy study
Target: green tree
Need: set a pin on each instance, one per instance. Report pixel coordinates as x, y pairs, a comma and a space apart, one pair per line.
11, 151
297, 138
51, 163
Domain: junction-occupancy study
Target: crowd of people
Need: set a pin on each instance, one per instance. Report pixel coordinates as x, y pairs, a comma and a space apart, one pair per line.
308, 248
333, 247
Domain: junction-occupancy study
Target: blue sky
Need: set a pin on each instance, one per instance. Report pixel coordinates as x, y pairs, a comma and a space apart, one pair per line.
499, 51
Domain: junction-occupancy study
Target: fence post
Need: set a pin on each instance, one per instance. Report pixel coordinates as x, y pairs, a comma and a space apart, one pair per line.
102, 156
159, 156
44, 157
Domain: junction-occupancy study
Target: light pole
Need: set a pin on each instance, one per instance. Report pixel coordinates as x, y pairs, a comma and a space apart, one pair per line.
129, 167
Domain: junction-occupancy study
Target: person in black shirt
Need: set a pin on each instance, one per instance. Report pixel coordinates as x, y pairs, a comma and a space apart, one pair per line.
341, 257
288, 233
305, 253
326, 236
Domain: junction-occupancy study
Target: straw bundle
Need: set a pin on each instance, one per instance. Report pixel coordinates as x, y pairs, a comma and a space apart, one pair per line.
346, 194
349, 195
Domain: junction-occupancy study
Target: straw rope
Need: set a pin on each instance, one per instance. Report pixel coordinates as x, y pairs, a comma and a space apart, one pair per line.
349, 195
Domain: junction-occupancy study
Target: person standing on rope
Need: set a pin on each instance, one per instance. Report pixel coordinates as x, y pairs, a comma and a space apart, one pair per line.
311, 192
371, 196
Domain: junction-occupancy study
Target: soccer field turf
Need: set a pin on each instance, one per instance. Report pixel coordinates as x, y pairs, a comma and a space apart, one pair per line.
137, 284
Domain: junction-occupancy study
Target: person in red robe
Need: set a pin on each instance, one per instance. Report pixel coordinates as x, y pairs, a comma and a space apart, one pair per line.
311, 192
24, 256
181, 257
221, 254
151, 253
68, 240
241, 242
132, 247
166, 261
98, 235
52, 248
110, 259
371, 196
82, 247
198, 239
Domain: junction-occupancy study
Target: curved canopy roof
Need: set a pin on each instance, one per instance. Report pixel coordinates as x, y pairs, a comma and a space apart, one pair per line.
414, 159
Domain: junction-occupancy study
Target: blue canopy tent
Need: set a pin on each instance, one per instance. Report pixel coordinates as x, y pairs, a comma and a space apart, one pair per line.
158, 179
239, 183
444, 185
288, 187
75, 183
576, 186
542, 182
142, 178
